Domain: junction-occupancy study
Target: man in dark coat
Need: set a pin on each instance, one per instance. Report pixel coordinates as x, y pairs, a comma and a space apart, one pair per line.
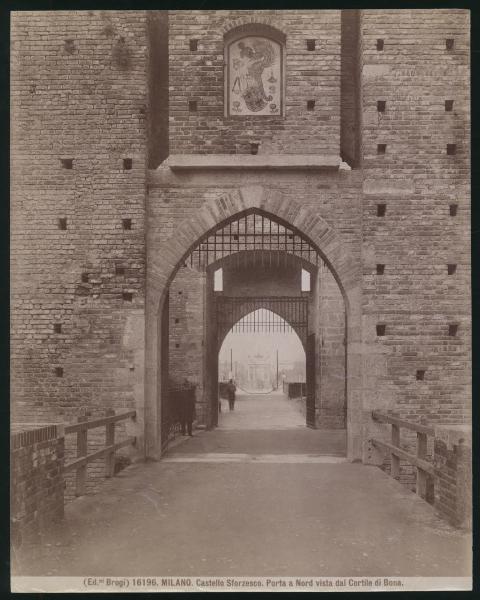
187, 412
231, 389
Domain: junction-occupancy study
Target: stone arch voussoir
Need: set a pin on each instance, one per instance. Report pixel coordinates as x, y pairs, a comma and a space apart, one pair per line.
217, 210
250, 20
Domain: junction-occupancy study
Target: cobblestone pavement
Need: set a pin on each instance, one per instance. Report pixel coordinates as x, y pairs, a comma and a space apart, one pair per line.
234, 502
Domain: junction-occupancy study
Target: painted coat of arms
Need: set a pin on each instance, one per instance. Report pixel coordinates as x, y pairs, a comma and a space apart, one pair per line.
255, 77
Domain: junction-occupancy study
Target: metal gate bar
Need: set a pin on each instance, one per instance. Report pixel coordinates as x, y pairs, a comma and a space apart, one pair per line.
269, 314
252, 232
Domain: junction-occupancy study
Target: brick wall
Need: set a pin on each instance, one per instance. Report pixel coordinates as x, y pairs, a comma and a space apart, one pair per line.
157, 21
453, 475
78, 91
199, 75
36, 481
330, 369
350, 132
414, 297
186, 327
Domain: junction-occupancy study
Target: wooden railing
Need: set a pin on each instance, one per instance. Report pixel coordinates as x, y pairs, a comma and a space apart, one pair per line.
424, 469
81, 429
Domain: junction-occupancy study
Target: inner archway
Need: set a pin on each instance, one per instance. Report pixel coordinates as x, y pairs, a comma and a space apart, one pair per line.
306, 227
261, 334
253, 274
264, 358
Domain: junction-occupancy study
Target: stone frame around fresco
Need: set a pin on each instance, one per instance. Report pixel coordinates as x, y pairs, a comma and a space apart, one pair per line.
254, 30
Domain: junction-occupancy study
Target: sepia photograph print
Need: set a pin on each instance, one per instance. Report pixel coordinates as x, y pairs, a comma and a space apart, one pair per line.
240, 300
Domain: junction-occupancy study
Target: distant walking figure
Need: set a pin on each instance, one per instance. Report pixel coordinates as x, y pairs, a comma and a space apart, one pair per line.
187, 408
231, 389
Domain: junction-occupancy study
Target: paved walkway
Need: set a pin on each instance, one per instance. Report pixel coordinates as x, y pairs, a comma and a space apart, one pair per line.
263, 424
252, 502
261, 411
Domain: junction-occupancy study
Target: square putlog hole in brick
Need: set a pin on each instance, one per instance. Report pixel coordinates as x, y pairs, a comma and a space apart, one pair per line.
193, 45
380, 269
310, 104
381, 210
177, 320
127, 296
58, 372
451, 149
420, 374
127, 224
449, 43
311, 45
62, 224
451, 269
84, 277
69, 46
453, 210
381, 329
127, 164
192, 105
381, 148
453, 329
67, 163
380, 45
448, 105
381, 105
57, 328
119, 270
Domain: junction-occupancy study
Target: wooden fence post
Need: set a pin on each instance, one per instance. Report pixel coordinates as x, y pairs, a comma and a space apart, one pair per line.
395, 460
109, 441
82, 446
421, 475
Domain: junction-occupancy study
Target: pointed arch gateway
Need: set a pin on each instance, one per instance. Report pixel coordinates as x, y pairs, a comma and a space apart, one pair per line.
266, 321
165, 258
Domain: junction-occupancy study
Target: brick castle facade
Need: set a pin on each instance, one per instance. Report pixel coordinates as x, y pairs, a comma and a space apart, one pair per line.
125, 153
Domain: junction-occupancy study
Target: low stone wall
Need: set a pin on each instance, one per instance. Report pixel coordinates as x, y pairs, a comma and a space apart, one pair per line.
36, 480
453, 474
